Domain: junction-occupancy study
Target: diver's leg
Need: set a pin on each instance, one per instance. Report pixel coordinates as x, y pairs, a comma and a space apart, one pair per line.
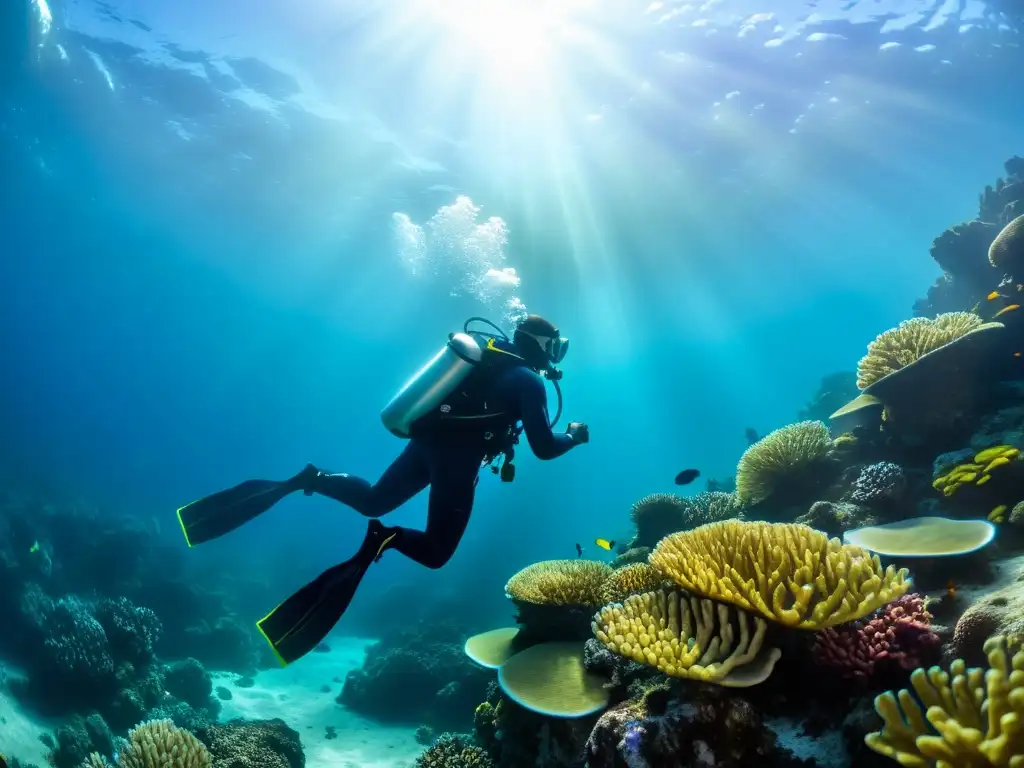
452, 489
407, 476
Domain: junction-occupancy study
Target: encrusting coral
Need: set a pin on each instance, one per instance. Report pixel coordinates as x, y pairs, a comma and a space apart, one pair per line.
781, 457
559, 583
899, 347
688, 637
966, 718
631, 580
977, 472
784, 572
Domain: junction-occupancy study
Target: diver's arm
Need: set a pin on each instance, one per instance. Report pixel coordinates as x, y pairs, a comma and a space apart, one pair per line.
533, 410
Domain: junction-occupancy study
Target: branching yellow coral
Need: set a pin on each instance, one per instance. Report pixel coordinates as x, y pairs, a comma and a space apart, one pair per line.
977, 472
780, 457
631, 580
784, 572
971, 718
161, 744
690, 637
911, 340
559, 582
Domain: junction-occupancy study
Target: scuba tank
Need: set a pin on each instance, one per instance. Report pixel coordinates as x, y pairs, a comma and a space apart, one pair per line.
432, 383
427, 390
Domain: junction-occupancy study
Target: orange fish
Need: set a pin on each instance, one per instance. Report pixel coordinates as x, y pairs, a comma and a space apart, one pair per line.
1006, 309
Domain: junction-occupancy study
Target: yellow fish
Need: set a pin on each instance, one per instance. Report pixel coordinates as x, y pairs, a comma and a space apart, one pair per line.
994, 295
1006, 309
605, 544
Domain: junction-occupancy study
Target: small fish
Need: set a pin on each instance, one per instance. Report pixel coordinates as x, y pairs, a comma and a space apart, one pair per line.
950, 589
1016, 354
605, 544
1004, 310
34, 548
579, 550
752, 436
995, 295
687, 476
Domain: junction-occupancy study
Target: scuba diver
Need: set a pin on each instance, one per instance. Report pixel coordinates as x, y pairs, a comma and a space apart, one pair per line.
465, 409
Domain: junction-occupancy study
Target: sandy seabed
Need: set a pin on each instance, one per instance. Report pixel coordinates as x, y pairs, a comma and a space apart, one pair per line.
303, 695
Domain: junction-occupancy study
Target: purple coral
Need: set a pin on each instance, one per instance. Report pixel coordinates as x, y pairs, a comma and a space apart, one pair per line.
876, 482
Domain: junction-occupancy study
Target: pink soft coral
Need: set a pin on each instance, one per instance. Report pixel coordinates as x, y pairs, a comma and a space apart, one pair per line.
898, 632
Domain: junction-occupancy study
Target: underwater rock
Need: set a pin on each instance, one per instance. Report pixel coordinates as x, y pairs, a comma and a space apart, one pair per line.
187, 681
253, 744
419, 681
836, 517
709, 729
999, 612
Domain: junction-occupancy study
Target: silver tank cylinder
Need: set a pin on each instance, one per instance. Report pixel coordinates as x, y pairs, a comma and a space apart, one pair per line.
428, 388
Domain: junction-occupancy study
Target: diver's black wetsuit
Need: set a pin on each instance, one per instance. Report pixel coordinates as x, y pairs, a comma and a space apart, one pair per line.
449, 462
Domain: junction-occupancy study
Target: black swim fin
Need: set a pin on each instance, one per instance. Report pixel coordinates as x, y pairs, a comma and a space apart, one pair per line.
222, 512
301, 622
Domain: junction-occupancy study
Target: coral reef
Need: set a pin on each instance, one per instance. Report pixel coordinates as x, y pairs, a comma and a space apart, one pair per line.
630, 580
876, 482
454, 751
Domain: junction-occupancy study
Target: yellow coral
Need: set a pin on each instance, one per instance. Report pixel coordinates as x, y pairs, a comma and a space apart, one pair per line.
788, 573
559, 582
95, 760
631, 580
976, 472
780, 457
689, 637
911, 340
161, 744
970, 717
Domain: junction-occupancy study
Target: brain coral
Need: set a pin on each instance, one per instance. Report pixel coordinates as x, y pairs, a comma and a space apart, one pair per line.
559, 582
787, 573
781, 457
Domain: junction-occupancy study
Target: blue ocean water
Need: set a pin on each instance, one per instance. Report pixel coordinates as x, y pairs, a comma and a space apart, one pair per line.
230, 231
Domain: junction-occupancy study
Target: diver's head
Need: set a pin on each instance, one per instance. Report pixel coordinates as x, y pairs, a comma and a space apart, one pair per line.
539, 342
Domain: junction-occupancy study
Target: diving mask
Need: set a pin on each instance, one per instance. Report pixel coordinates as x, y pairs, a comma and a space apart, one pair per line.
554, 348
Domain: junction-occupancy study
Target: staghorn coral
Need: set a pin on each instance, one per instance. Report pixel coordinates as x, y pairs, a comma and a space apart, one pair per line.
631, 580
787, 573
454, 751
970, 717
976, 472
559, 582
878, 482
911, 340
656, 516
161, 744
899, 632
781, 457
688, 637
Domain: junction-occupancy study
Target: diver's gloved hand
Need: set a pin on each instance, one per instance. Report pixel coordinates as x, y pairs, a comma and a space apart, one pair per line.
578, 431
